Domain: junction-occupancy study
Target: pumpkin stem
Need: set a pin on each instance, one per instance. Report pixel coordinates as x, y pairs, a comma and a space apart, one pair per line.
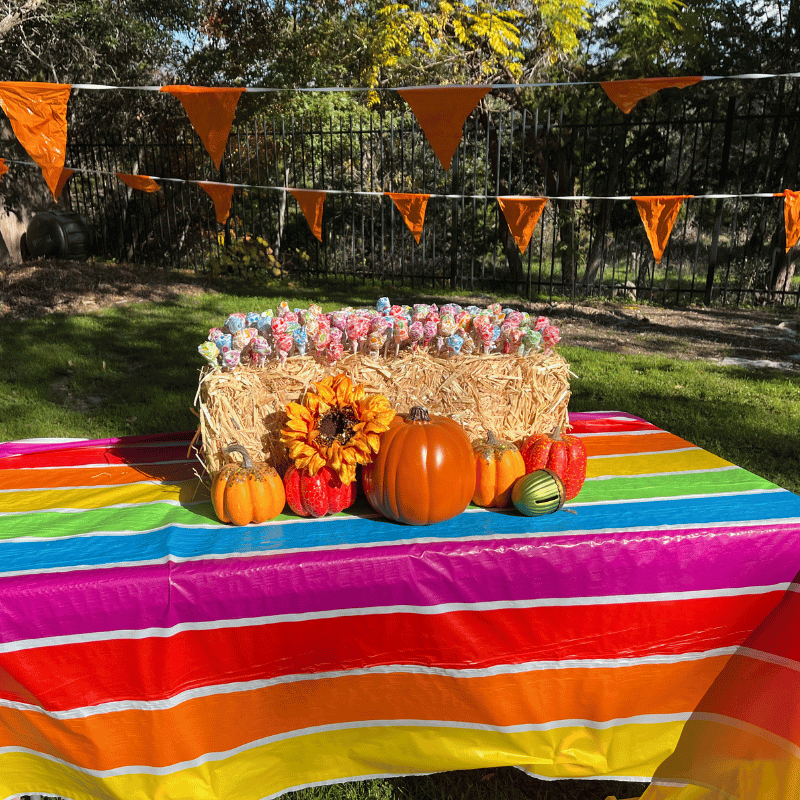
235, 447
556, 434
491, 438
419, 414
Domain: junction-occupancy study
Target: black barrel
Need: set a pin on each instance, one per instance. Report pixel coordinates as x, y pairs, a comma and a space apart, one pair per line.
58, 234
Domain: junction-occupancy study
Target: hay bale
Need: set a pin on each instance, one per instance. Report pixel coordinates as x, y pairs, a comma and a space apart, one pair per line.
512, 395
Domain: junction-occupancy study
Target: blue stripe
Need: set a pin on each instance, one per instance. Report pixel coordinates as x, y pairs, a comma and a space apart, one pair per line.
353, 530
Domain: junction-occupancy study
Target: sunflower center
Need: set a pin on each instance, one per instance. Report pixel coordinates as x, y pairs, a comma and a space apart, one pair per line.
337, 426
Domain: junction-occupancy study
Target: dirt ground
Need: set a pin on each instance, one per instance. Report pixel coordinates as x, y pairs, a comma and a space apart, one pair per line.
754, 338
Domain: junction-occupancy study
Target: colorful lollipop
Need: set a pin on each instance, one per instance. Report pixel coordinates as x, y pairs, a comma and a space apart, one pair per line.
210, 353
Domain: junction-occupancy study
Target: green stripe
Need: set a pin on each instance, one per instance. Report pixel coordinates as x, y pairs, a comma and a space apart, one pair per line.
670, 485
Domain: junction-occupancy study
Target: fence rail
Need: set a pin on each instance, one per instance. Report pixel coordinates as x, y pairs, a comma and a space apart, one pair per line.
726, 250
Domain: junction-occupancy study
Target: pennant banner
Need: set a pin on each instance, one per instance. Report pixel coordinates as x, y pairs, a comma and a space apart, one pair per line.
658, 215
38, 116
791, 216
211, 113
221, 194
144, 183
412, 207
441, 112
522, 214
626, 94
310, 202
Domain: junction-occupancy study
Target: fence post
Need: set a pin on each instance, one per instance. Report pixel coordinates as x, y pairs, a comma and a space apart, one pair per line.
723, 178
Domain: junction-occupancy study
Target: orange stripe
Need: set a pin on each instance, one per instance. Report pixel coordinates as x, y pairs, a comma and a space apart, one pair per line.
221, 722
628, 445
98, 475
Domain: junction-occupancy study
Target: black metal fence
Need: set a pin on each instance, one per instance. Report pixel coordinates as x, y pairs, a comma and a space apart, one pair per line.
727, 249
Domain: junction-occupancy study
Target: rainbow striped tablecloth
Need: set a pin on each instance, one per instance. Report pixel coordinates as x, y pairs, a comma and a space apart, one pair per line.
148, 651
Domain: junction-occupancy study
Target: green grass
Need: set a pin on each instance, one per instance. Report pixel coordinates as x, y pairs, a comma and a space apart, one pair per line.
134, 370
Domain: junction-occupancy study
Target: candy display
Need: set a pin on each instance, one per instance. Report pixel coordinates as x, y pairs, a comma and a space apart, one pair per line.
381, 332
492, 368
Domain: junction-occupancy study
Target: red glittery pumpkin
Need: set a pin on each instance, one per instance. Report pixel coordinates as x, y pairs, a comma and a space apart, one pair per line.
317, 495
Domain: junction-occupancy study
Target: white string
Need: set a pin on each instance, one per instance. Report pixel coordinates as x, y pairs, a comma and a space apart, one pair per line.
545, 84
267, 187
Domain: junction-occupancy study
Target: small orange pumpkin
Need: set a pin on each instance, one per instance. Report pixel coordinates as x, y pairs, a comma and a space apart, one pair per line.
247, 492
497, 465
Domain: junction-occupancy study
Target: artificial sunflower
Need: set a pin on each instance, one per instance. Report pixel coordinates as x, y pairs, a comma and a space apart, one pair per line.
336, 426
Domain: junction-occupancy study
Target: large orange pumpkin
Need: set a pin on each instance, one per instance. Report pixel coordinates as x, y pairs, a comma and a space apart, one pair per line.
497, 465
424, 470
247, 492
564, 455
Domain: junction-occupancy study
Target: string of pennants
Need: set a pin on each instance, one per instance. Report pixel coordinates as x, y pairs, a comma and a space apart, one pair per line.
37, 113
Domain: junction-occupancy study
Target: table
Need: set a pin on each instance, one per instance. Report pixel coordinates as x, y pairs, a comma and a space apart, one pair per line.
148, 651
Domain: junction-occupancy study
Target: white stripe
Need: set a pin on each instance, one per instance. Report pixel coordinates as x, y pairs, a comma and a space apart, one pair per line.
643, 719
337, 613
164, 704
620, 433
753, 730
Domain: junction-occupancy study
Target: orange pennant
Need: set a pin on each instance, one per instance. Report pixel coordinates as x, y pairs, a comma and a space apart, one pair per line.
221, 194
522, 214
441, 112
658, 215
412, 207
143, 183
791, 216
3, 167
626, 94
310, 202
38, 116
66, 174
211, 113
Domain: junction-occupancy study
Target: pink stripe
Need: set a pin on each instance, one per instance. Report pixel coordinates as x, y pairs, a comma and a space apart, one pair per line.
425, 574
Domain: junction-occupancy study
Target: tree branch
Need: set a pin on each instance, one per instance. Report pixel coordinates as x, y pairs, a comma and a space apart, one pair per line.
11, 21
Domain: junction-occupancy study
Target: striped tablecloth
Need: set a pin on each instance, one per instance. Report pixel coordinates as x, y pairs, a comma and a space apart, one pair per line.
148, 651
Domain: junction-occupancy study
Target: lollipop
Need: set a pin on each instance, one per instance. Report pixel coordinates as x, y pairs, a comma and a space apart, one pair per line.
259, 350
468, 345
541, 323
335, 352
251, 319
283, 308
213, 333
383, 305
336, 336
241, 338
531, 340
400, 334
357, 329
279, 326
550, 336
430, 329
285, 343
513, 338
447, 324
224, 342
235, 322
322, 339
374, 343
415, 333
265, 323
210, 353
230, 359
420, 312
454, 344
300, 337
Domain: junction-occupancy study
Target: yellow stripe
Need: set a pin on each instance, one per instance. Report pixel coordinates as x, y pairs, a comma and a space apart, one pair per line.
650, 463
102, 497
627, 749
